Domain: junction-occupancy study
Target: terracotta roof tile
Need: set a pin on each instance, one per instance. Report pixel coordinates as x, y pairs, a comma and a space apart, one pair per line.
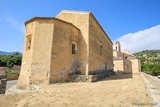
35, 18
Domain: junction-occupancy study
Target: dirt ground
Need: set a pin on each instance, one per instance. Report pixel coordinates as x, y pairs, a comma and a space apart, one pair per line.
117, 91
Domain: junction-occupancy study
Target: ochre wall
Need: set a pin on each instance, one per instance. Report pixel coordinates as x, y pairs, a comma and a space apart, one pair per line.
63, 61
136, 65
123, 66
118, 66
97, 60
50, 57
23, 80
40, 66
117, 54
81, 21
127, 66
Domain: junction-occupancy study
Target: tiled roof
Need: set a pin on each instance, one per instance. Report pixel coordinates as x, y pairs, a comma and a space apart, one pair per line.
85, 12
47, 18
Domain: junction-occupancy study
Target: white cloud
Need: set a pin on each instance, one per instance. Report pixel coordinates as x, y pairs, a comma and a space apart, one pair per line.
142, 40
15, 24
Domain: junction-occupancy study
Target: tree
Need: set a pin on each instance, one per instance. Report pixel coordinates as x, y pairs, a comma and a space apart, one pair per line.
10, 60
3, 60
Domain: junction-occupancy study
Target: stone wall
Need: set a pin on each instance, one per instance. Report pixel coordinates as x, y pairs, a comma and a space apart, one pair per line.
81, 21
12, 76
48, 55
95, 76
93, 36
136, 65
100, 48
63, 61
118, 65
123, 66
23, 80
3, 82
127, 66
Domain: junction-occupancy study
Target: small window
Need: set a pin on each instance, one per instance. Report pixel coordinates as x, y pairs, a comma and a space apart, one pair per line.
74, 47
28, 42
100, 49
105, 65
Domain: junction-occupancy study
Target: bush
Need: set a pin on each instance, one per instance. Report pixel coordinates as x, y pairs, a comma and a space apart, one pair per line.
10, 60
8, 71
153, 69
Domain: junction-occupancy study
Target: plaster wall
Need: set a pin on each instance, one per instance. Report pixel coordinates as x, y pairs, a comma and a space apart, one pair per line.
42, 48
127, 66
63, 62
136, 65
118, 66
23, 80
123, 66
81, 21
100, 48
117, 54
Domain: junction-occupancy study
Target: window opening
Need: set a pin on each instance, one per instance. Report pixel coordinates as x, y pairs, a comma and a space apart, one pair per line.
74, 47
100, 49
28, 42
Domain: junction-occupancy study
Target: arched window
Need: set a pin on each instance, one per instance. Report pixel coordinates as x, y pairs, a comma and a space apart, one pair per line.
28, 42
74, 47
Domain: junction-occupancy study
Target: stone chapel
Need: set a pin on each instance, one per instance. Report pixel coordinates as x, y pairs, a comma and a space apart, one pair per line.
55, 48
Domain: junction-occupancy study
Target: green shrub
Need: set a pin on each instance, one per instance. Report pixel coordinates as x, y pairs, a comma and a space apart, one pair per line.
8, 71
10, 60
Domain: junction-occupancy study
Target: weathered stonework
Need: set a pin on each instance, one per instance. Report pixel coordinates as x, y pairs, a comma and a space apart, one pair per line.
55, 49
122, 65
3, 82
125, 62
93, 77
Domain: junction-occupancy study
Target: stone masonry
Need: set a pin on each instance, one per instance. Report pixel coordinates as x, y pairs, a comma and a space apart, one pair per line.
57, 49
3, 82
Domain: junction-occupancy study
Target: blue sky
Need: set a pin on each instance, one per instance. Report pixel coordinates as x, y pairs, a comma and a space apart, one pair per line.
117, 17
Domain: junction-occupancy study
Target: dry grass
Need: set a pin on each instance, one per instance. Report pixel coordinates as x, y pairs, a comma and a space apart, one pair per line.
117, 91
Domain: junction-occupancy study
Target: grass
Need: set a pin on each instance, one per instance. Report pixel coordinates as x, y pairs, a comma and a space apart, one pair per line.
8, 72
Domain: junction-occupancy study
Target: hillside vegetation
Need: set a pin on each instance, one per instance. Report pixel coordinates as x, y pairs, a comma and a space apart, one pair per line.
8, 53
8, 60
150, 61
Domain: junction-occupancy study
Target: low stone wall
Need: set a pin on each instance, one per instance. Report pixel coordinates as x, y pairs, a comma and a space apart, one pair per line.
78, 78
123, 72
91, 78
99, 76
12, 76
3, 82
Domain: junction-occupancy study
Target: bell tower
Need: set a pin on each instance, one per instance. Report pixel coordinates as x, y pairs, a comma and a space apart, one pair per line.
118, 46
